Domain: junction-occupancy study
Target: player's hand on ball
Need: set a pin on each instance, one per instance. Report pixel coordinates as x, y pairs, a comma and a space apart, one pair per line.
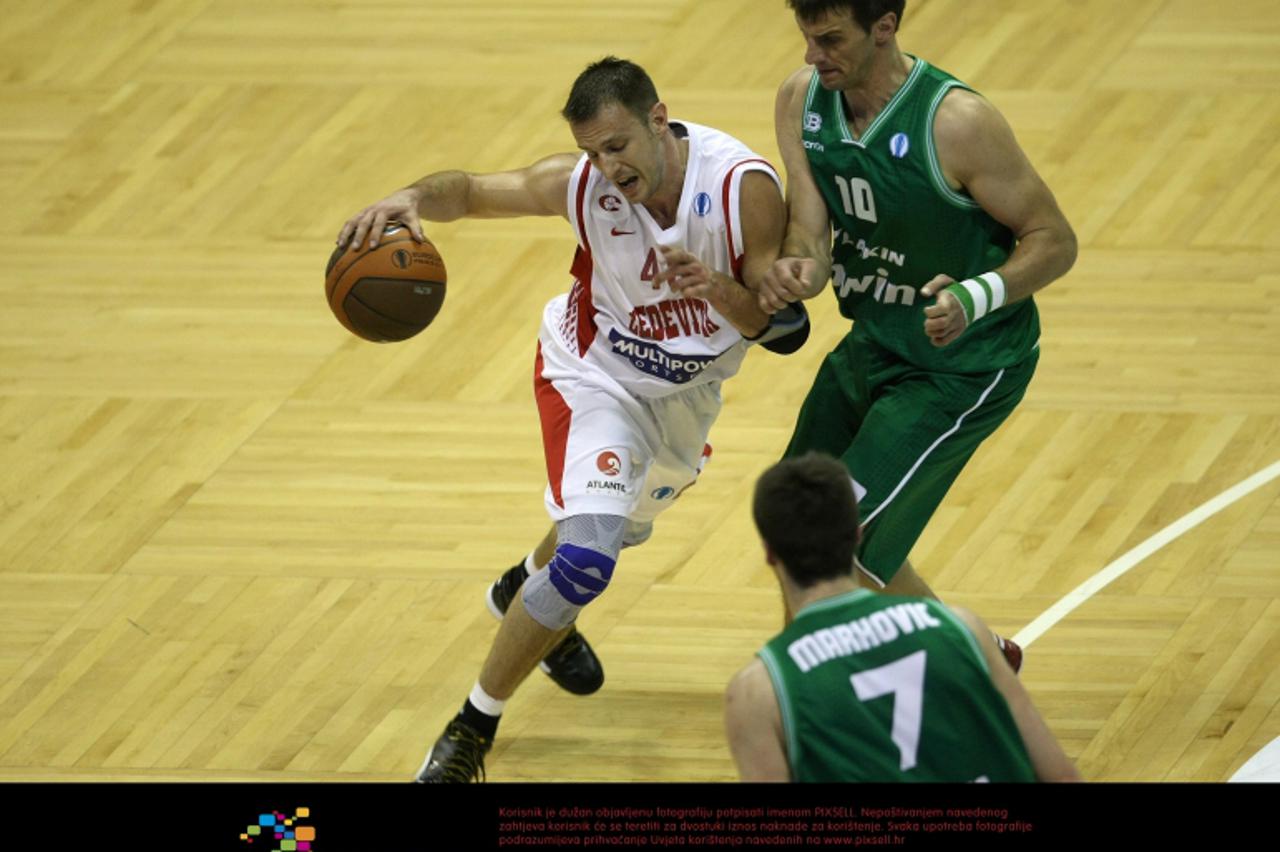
788, 280
401, 206
945, 319
686, 275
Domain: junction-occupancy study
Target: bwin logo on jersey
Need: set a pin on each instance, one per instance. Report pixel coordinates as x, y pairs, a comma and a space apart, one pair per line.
812, 122
702, 204
899, 145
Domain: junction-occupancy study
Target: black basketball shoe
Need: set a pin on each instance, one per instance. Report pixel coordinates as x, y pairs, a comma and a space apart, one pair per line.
457, 757
571, 664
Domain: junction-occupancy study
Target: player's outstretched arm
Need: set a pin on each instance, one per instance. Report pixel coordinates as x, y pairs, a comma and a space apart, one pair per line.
979, 154
805, 263
1047, 757
753, 725
537, 190
763, 219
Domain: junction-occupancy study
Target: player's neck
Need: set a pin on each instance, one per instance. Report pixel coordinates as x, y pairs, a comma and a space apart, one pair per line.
864, 101
665, 203
798, 598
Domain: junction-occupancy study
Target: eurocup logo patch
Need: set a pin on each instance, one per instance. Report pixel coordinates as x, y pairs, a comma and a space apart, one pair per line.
812, 122
610, 203
899, 145
702, 204
609, 463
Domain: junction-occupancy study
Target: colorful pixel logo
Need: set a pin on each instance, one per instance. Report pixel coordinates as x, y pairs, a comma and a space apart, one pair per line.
287, 835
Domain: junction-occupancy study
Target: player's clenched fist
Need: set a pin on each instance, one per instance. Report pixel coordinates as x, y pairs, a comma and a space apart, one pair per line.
790, 279
945, 319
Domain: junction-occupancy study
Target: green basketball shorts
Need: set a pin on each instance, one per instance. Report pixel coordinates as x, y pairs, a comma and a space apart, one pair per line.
904, 434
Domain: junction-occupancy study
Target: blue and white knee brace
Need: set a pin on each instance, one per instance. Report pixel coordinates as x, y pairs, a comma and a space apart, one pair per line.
579, 572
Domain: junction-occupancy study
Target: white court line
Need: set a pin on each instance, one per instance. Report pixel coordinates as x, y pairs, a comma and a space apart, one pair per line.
1262, 767
1099, 581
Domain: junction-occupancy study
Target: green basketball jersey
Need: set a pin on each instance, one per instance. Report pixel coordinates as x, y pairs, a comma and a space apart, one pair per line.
882, 688
897, 224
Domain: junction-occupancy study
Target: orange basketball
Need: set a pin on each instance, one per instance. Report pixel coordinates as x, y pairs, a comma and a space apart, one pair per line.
387, 293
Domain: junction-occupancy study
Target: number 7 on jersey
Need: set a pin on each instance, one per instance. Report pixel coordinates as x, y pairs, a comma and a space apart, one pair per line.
904, 679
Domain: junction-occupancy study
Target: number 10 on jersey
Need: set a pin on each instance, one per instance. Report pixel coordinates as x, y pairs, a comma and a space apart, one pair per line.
857, 198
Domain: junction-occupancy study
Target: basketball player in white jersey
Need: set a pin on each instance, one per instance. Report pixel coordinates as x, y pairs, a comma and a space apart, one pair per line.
670, 218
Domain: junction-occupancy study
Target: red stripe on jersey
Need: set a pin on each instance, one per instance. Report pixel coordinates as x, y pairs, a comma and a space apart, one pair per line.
735, 256
581, 305
555, 415
578, 205
581, 308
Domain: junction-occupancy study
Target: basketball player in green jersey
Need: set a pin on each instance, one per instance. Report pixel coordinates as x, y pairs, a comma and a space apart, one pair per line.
870, 687
907, 190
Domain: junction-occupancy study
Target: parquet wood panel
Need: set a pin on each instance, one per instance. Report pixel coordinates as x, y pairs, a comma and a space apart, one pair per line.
238, 544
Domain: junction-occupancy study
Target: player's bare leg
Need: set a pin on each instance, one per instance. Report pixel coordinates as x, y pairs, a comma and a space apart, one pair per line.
546, 548
521, 642
541, 615
908, 582
459, 753
571, 662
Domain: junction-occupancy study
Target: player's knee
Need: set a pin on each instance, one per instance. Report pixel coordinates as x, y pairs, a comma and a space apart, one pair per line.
579, 571
575, 577
580, 574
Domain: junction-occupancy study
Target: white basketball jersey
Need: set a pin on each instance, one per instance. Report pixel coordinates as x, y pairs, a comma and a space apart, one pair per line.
652, 340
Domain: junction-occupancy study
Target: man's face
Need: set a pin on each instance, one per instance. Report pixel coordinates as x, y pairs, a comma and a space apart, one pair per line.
625, 149
838, 48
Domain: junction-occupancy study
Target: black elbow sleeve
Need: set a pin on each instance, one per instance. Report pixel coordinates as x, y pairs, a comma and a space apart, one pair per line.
787, 331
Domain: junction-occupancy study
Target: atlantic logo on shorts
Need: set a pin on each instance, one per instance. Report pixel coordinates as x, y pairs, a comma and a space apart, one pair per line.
605, 486
663, 493
650, 358
609, 463
610, 203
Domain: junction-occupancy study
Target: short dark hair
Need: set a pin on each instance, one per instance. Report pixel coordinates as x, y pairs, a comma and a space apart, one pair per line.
806, 511
865, 12
611, 80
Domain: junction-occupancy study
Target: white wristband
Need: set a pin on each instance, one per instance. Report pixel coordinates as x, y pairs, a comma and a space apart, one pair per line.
986, 293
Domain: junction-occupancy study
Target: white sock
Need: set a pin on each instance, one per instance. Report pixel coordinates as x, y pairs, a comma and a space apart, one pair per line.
484, 702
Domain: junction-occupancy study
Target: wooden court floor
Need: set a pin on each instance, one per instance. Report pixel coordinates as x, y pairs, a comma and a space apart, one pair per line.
238, 543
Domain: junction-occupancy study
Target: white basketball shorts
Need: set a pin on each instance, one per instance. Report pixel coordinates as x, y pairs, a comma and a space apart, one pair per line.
609, 452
